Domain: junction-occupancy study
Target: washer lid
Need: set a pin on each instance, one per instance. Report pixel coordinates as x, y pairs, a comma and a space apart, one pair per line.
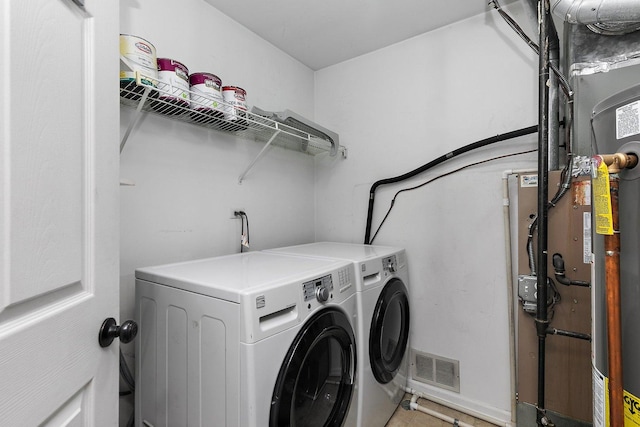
232, 276
349, 251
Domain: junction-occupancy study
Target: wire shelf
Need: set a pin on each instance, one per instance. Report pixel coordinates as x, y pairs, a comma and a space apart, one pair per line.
165, 100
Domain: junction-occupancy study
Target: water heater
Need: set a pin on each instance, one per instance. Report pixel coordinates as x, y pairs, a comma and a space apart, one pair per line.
616, 128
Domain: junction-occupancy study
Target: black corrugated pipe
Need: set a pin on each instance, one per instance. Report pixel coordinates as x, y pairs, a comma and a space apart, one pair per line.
435, 162
542, 322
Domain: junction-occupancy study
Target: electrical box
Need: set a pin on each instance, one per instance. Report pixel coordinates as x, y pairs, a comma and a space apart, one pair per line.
527, 288
528, 292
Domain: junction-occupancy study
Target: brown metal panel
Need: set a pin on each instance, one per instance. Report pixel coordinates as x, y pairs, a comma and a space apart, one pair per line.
568, 362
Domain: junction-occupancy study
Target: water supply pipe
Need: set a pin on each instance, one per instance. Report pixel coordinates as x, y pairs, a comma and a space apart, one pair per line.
413, 405
415, 395
619, 161
613, 303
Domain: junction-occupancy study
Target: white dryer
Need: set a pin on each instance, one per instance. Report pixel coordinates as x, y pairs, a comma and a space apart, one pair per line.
382, 282
247, 340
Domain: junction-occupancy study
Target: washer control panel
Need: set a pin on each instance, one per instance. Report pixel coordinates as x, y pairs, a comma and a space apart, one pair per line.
390, 264
319, 288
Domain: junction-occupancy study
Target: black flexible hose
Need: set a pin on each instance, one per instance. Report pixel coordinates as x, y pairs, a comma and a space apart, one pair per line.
558, 267
435, 162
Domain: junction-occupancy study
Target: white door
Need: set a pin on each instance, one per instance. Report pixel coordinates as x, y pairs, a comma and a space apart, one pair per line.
58, 211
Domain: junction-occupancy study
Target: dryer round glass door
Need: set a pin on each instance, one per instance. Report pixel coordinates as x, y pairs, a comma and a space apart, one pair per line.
317, 378
389, 332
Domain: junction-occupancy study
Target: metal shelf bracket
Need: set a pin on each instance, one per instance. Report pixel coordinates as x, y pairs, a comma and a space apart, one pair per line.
260, 154
136, 117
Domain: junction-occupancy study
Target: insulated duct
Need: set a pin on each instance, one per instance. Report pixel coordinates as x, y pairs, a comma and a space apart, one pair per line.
609, 17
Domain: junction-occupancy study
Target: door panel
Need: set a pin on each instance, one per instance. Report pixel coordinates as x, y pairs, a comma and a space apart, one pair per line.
316, 381
71, 413
47, 227
58, 211
389, 334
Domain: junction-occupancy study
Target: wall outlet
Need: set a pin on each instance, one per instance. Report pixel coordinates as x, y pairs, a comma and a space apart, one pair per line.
232, 212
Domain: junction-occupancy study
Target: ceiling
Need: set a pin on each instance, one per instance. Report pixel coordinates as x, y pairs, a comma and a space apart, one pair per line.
320, 33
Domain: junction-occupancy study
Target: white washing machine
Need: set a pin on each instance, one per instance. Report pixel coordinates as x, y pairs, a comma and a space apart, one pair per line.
247, 340
382, 282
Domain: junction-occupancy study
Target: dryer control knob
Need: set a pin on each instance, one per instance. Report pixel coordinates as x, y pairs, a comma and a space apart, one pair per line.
322, 294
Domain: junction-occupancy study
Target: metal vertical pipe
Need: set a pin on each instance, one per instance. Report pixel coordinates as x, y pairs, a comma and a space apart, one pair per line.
614, 326
554, 100
543, 201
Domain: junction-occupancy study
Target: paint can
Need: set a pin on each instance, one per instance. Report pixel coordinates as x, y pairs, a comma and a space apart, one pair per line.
206, 98
235, 109
136, 55
173, 87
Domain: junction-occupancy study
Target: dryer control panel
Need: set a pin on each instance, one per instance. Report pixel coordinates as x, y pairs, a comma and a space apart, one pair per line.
319, 289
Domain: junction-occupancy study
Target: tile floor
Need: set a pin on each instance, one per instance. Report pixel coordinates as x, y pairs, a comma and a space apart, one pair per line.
404, 418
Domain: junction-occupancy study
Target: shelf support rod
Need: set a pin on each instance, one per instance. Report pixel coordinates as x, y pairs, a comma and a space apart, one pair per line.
136, 117
260, 154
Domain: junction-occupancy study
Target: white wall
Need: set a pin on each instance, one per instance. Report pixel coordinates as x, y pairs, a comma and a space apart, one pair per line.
400, 107
394, 109
186, 177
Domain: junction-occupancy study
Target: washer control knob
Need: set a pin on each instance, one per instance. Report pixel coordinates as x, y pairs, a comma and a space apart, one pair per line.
322, 294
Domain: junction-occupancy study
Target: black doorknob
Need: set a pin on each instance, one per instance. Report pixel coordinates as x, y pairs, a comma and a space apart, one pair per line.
110, 330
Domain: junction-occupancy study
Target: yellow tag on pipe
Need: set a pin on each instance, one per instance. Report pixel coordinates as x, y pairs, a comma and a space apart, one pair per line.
602, 198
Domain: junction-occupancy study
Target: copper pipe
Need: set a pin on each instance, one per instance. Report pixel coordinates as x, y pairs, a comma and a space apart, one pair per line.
618, 161
614, 324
